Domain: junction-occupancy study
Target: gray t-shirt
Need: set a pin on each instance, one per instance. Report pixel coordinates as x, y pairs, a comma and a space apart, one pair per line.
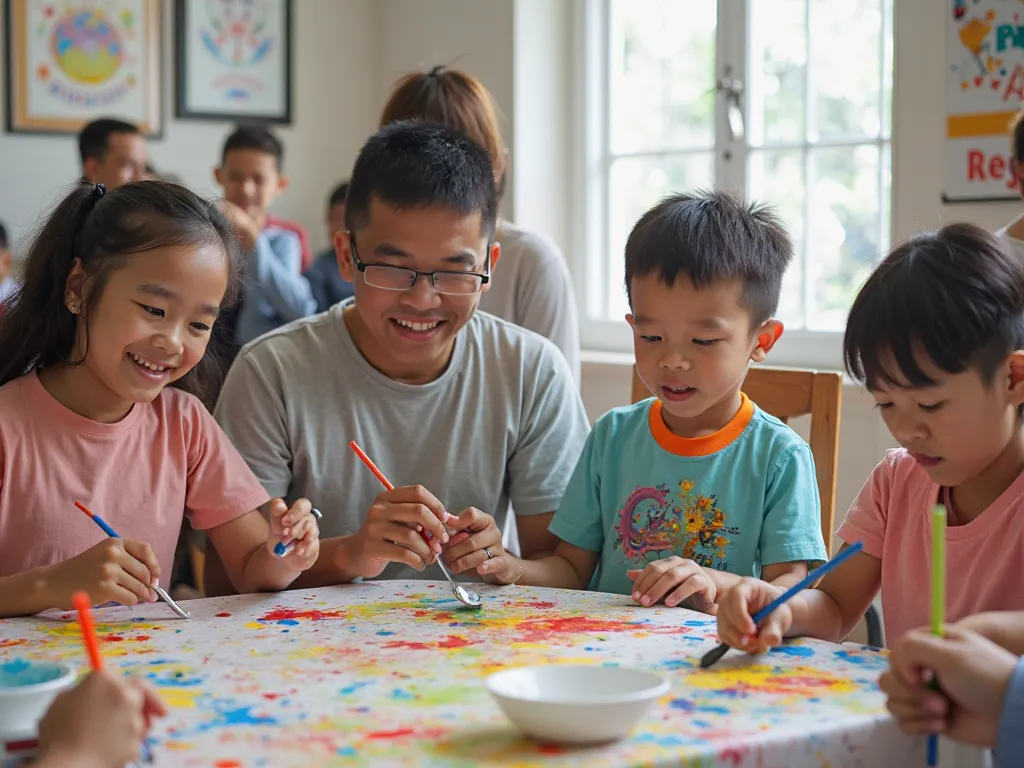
503, 423
531, 287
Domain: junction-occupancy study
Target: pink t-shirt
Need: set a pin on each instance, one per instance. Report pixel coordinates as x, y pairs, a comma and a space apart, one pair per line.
141, 475
984, 558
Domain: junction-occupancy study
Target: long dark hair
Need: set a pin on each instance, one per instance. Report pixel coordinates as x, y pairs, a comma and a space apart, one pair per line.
104, 231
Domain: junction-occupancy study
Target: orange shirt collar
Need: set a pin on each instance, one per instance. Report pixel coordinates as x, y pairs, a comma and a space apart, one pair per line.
700, 446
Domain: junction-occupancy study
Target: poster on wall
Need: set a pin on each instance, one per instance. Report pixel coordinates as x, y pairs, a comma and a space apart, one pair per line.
71, 61
984, 90
234, 60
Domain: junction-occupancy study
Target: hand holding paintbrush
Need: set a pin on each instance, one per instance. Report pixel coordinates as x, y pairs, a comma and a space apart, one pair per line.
101, 722
114, 570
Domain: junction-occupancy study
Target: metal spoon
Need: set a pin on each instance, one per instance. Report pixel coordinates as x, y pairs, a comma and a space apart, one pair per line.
465, 596
170, 601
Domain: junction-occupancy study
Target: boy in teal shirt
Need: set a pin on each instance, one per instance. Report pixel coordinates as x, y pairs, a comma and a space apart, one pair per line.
676, 498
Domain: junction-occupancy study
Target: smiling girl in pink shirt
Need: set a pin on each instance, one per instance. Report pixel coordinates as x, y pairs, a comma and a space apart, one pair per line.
937, 335
102, 369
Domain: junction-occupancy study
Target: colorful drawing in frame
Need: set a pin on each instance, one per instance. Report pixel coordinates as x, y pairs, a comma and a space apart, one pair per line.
233, 60
71, 61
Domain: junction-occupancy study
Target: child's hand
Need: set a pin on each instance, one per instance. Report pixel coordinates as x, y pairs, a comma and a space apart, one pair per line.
973, 673
676, 580
244, 225
115, 570
735, 627
297, 531
102, 722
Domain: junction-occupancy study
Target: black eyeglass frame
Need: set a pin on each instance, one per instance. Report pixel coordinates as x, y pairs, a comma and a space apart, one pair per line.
416, 274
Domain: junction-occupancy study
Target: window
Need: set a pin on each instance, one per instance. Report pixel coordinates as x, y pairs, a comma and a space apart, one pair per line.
785, 101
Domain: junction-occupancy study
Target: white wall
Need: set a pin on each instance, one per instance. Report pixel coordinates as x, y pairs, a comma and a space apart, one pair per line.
475, 36
333, 102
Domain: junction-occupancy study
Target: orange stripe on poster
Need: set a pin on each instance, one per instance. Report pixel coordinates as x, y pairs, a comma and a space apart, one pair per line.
968, 126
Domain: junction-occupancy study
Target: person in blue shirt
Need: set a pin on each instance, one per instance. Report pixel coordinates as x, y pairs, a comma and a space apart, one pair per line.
325, 280
980, 674
274, 291
677, 497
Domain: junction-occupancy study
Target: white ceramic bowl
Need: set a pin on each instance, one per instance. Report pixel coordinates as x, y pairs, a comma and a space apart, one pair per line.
27, 688
575, 703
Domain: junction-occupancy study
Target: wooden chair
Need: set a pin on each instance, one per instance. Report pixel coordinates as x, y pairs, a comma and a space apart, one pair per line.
787, 393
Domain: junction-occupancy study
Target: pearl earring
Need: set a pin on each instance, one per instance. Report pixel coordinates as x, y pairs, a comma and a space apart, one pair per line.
73, 307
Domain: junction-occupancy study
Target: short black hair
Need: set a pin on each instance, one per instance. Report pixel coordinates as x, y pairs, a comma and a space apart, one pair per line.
94, 138
954, 296
712, 236
416, 165
256, 137
4, 243
338, 195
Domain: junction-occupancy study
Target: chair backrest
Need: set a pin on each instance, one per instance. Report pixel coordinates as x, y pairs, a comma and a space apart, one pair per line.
786, 393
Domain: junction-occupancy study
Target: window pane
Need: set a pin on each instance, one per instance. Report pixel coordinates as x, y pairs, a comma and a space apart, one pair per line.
846, 61
637, 183
845, 228
777, 61
777, 178
662, 72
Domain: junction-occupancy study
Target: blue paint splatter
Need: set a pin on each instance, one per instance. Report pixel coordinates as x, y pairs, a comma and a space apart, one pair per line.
799, 651
177, 680
862, 659
398, 693
229, 718
698, 623
688, 706
349, 690
678, 664
287, 622
385, 633
346, 752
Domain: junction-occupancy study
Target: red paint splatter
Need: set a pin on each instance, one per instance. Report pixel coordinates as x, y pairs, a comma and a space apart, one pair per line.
406, 644
272, 696
141, 638
978, 79
454, 641
227, 764
222, 615
285, 614
112, 638
421, 614
11, 642
551, 749
995, 85
540, 604
539, 629
396, 734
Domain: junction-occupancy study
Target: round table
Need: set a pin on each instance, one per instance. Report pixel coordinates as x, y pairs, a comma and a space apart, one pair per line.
391, 674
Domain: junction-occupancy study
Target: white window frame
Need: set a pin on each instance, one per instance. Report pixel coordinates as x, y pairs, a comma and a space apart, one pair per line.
799, 348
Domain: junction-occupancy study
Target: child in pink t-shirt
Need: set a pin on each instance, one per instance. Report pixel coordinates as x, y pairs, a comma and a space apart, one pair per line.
937, 336
101, 372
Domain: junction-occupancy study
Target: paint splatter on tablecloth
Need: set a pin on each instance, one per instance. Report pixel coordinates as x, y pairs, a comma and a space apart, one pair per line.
391, 673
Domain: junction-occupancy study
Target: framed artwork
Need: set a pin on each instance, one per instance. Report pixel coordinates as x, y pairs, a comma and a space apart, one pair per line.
71, 61
233, 60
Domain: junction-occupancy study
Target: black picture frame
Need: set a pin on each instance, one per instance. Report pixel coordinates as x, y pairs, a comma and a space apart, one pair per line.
186, 59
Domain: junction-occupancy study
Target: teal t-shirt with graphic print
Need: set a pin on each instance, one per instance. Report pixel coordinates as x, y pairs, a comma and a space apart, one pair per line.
736, 500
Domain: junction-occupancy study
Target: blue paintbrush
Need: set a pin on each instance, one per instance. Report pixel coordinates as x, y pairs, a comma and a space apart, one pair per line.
714, 655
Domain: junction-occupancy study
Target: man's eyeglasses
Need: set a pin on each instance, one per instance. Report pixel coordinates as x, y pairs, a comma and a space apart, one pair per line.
391, 278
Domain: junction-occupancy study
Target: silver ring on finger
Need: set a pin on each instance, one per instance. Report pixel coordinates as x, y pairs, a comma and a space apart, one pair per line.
487, 552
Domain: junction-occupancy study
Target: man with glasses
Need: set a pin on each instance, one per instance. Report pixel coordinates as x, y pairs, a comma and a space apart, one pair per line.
462, 411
